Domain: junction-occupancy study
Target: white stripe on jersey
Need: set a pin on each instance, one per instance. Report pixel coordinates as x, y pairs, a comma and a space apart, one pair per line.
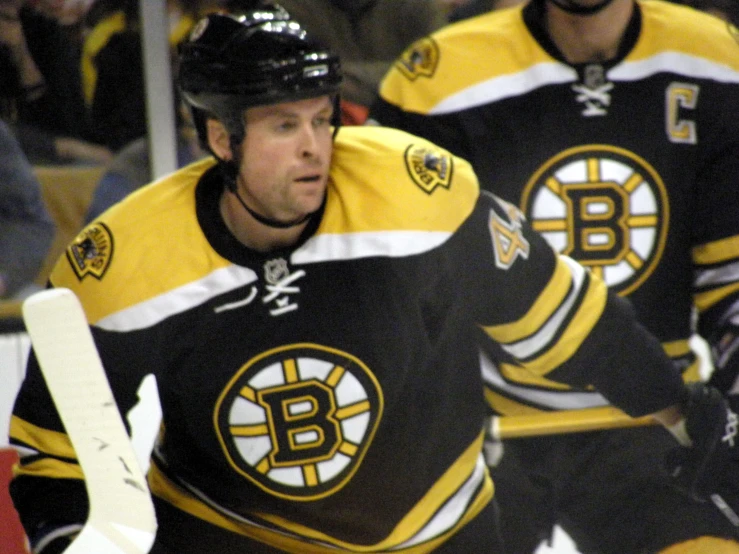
556, 73
319, 248
452, 511
353, 246
180, 299
728, 273
506, 86
674, 62
556, 400
540, 340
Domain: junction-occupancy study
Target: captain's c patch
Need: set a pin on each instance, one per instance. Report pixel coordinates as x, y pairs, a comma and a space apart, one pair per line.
91, 251
429, 167
419, 60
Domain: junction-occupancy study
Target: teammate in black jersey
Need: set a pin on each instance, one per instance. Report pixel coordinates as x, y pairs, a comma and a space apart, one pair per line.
309, 302
611, 124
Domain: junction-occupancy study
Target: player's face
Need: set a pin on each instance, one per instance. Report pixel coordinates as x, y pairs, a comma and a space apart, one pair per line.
286, 155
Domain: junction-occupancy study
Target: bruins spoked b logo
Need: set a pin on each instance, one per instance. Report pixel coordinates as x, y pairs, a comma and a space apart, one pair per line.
297, 420
603, 206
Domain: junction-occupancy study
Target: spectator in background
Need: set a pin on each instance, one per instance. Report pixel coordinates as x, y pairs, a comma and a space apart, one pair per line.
131, 167
112, 66
41, 87
69, 13
368, 35
26, 230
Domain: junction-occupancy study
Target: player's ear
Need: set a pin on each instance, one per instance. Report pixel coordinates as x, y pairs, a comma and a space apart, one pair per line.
219, 139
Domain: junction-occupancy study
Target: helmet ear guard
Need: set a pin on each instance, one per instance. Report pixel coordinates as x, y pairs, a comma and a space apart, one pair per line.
239, 60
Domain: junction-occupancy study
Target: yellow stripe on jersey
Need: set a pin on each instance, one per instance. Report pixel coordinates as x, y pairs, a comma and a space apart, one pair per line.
53, 443
524, 376
48, 467
716, 252
100, 36
577, 329
94, 42
515, 390
505, 406
693, 372
705, 300
538, 351
181, 499
455, 479
676, 348
716, 271
541, 310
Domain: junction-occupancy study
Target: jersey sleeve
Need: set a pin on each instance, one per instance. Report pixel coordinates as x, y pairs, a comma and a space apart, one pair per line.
715, 224
554, 320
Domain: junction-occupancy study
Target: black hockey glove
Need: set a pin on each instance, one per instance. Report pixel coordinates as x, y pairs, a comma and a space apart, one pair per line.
708, 470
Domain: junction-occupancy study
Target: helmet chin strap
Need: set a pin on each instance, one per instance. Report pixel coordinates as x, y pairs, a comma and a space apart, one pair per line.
571, 6
230, 171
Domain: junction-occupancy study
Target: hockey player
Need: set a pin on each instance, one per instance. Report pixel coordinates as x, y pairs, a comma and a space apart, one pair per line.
612, 124
309, 301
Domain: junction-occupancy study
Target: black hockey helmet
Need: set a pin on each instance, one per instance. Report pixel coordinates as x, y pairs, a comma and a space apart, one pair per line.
245, 58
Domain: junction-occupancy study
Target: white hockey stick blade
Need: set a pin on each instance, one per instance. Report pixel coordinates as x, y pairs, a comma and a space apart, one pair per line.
121, 519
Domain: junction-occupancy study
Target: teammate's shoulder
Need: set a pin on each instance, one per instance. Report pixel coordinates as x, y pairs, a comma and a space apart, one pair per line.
459, 56
400, 180
669, 27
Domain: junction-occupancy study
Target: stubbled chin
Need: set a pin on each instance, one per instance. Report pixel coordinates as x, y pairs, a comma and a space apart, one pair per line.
310, 199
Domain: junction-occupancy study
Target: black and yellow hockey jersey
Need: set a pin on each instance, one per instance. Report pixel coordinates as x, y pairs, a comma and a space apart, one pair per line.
630, 166
326, 397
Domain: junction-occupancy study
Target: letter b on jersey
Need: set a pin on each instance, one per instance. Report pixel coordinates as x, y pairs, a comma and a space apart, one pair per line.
598, 222
302, 417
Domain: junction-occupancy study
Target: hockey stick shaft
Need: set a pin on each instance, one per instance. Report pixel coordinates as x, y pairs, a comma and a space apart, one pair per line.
565, 421
121, 518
